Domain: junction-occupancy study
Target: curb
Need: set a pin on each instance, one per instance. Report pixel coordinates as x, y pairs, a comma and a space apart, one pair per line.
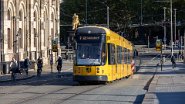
32, 76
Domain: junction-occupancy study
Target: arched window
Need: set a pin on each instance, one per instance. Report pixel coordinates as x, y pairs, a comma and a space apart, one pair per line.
52, 17
8, 15
20, 15
45, 19
52, 29
20, 38
35, 16
9, 38
35, 37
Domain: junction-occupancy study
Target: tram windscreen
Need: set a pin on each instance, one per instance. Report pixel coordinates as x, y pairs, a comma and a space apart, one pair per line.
89, 50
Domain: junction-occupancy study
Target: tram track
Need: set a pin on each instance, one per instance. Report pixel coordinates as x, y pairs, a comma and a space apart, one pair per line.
27, 85
40, 95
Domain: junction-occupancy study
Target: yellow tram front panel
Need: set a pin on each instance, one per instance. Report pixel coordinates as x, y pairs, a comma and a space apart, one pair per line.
91, 71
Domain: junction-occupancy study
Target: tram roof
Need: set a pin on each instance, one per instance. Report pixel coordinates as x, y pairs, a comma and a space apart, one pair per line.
96, 30
92, 29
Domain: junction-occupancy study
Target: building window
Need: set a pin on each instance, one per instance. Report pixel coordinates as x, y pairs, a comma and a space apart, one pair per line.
8, 15
52, 17
52, 32
20, 16
20, 38
9, 39
45, 27
35, 37
35, 16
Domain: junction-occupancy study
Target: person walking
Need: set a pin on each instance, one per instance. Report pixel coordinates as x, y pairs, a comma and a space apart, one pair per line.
51, 62
179, 55
173, 61
26, 64
13, 68
59, 65
39, 66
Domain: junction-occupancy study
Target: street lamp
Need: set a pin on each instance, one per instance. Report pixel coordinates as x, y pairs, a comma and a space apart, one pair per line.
175, 30
108, 9
17, 39
86, 12
141, 12
108, 17
164, 23
171, 27
171, 10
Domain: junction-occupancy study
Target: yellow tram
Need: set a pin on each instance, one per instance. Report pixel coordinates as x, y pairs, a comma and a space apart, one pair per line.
101, 55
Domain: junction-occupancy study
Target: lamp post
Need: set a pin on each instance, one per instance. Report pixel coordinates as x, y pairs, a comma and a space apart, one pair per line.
164, 39
171, 10
17, 40
175, 29
86, 12
108, 14
108, 17
171, 27
141, 12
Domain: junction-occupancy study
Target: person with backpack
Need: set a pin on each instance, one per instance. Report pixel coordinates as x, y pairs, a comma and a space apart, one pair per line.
59, 65
13, 68
173, 61
26, 65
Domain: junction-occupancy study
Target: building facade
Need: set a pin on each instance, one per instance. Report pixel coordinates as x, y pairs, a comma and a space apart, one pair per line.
28, 28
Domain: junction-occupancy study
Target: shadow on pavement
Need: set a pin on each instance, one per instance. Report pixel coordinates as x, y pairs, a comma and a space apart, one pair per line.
171, 97
139, 99
65, 79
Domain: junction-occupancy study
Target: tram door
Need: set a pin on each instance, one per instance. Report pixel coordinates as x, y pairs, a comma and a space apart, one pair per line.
112, 60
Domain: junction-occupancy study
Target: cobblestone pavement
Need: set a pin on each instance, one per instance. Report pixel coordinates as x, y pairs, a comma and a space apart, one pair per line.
167, 87
32, 73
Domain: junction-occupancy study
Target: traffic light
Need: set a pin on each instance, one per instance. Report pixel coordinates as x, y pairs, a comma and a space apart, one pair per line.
158, 45
54, 46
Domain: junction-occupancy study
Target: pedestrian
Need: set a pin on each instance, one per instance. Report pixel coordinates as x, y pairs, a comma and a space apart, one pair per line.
59, 64
27, 64
173, 61
179, 55
182, 56
51, 62
13, 68
66, 54
39, 66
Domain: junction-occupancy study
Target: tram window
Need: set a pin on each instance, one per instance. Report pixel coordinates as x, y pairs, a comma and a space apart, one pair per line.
125, 55
119, 56
111, 54
128, 54
122, 55
104, 54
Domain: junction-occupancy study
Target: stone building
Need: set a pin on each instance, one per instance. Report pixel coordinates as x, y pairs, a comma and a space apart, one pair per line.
28, 28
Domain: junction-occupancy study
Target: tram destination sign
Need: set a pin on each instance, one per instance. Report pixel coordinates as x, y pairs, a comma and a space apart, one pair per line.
88, 38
